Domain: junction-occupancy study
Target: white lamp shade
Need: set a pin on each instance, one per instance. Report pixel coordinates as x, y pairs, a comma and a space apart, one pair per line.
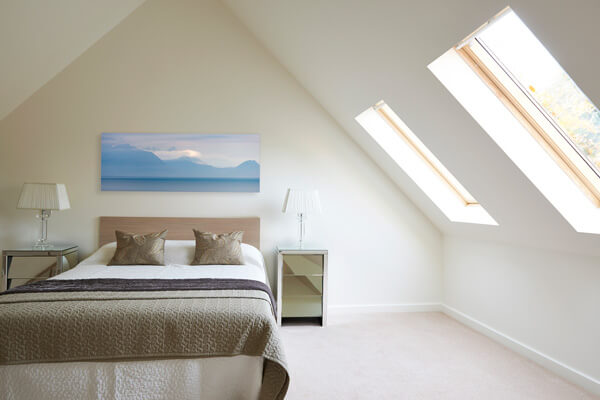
302, 202
44, 196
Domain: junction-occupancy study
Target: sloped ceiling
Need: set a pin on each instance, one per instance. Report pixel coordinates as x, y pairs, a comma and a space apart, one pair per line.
351, 53
40, 38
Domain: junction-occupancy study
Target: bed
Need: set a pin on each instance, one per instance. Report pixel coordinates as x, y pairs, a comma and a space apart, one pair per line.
147, 332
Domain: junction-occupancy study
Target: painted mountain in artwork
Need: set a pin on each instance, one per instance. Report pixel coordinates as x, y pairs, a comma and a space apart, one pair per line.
163, 162
125, 161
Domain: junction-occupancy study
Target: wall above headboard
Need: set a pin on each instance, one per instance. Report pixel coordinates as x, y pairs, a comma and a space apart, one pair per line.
179, 228
161, 70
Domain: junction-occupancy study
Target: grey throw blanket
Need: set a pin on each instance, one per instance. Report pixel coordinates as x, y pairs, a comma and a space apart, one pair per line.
138, 285
94, 320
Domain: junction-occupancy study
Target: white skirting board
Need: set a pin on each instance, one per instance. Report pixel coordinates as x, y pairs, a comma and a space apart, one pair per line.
571, 374
369, 308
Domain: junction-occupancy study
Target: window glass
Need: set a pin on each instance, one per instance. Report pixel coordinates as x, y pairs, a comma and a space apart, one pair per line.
538, 74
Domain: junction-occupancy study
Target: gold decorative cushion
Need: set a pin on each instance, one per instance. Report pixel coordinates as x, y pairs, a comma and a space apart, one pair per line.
221, 249
137, 249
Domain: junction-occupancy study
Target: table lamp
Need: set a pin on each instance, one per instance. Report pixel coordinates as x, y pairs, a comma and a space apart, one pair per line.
302, 202
44, 197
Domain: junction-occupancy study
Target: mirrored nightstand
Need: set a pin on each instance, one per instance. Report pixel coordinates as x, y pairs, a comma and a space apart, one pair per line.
67, 256
301, 283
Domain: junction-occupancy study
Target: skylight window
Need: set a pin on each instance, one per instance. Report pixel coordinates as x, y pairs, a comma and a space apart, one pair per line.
405, 148
523, 98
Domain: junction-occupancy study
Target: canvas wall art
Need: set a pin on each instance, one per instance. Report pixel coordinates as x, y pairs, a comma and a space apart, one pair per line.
180, 162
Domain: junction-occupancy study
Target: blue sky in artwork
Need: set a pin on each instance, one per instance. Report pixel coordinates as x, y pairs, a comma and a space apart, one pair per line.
145, 155
222, 150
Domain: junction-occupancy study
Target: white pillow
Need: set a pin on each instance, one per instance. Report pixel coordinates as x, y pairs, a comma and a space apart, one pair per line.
179, 251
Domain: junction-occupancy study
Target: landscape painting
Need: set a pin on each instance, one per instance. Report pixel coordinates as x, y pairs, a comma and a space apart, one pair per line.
180, 162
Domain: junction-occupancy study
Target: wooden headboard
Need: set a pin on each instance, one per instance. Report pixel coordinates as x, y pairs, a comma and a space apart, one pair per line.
180, 228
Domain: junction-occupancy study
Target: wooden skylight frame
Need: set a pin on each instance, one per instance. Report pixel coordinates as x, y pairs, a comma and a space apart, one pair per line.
410, 154
419, 148
533, 118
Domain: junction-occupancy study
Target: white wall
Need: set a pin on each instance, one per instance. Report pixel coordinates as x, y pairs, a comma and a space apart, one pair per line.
350, 54
40, 38
190, 66
546, 300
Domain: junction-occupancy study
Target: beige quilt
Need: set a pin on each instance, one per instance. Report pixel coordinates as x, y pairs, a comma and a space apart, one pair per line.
95, 326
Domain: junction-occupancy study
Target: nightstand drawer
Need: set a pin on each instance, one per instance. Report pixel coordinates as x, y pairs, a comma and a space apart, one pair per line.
302, 285
302, 306
303, 264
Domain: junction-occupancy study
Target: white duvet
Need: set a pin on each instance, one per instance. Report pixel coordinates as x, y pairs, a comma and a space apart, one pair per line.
227, 378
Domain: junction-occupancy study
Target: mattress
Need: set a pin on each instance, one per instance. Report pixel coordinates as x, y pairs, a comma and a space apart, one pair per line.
213, 378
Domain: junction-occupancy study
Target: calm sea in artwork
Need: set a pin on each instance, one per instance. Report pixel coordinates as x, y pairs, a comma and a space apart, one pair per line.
180, 162
181, 184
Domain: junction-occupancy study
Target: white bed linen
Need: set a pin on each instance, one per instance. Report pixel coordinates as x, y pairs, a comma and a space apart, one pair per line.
178, 256
215, 378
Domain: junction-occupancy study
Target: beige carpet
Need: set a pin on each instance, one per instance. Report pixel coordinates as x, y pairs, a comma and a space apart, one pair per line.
411, 356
